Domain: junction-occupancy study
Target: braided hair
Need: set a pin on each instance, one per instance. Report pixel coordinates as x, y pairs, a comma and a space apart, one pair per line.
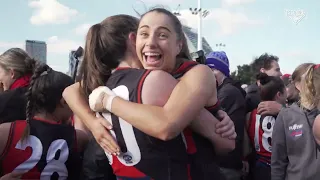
44, 92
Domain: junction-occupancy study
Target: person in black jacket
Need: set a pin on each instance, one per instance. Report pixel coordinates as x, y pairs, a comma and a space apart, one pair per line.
232, 99
16, 68
269, 65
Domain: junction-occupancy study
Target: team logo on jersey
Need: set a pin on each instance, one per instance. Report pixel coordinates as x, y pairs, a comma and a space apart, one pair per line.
127, 158
296, 130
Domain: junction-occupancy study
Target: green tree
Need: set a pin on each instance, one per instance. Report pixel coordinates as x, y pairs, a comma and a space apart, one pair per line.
244, 74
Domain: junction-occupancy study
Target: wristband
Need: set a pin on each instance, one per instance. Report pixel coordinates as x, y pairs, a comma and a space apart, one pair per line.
107, 104
214, 109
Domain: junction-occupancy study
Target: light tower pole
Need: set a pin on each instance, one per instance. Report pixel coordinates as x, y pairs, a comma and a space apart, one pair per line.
201, 14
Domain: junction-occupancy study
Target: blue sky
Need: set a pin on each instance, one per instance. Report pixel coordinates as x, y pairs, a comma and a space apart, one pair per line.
247, 27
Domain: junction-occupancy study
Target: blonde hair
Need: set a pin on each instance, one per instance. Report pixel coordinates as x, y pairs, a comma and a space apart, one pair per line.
299, 71
17, 60
310, 94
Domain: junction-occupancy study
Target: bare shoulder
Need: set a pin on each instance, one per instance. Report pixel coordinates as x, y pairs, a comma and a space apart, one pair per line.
157, 74
5, 131
200, 70
199, 73
157, 87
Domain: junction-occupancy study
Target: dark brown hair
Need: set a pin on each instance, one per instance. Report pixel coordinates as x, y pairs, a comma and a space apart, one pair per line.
106, 45
270, 86
184, 54
263, 61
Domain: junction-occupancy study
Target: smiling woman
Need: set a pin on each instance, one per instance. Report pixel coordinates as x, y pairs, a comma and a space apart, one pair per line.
16, 68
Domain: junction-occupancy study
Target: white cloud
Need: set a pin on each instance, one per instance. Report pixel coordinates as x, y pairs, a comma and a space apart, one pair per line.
61, 46
236, 2
82, 29
228, 21
50, 12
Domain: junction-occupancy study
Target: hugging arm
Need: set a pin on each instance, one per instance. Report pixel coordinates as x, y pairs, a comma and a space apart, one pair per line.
98, 126
182, 104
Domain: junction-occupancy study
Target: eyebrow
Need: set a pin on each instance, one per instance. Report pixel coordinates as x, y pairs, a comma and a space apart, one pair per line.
161, 27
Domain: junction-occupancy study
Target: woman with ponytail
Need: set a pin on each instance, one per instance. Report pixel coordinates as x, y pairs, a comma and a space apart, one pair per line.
313, 91
44, 145
16, 68
294, 148
260, 127
109, 54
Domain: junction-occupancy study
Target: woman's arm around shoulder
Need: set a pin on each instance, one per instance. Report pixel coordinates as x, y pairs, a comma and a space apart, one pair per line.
205, 125
186, 99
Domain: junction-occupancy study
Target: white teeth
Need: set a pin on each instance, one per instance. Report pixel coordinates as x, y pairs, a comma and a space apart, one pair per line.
151, 54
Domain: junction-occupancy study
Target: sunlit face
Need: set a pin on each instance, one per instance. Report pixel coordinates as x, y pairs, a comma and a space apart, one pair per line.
274, 71
157, 44
6, 78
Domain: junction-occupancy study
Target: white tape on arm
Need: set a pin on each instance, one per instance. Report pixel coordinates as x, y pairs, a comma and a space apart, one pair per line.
95, 96
108, 103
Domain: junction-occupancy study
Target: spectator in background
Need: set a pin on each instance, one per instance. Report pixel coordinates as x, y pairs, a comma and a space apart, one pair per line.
16, 68
269, 65
232, 99
294, 150
292, 91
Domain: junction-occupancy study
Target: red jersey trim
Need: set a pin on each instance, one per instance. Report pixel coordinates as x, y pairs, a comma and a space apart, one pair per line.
46, 121
9, 141
122, 68
186, 66
140, 85
252, 117
214, 106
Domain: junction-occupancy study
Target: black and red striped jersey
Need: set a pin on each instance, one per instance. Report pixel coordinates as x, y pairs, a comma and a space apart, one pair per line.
143, 156
49, 152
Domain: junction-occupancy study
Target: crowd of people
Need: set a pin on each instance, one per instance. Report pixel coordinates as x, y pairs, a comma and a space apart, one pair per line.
142, 109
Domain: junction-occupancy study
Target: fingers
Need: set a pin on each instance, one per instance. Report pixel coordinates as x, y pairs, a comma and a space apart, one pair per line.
107, 147
222, 123
230, 133
233, 136
108, 143
105, 123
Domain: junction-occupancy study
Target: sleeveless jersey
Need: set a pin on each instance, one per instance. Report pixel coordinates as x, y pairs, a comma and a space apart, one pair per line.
143, 157
49, 152
260, 135
201, 153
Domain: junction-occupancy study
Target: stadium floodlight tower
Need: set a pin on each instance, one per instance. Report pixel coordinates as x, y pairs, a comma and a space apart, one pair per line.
220, 45
201, 14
